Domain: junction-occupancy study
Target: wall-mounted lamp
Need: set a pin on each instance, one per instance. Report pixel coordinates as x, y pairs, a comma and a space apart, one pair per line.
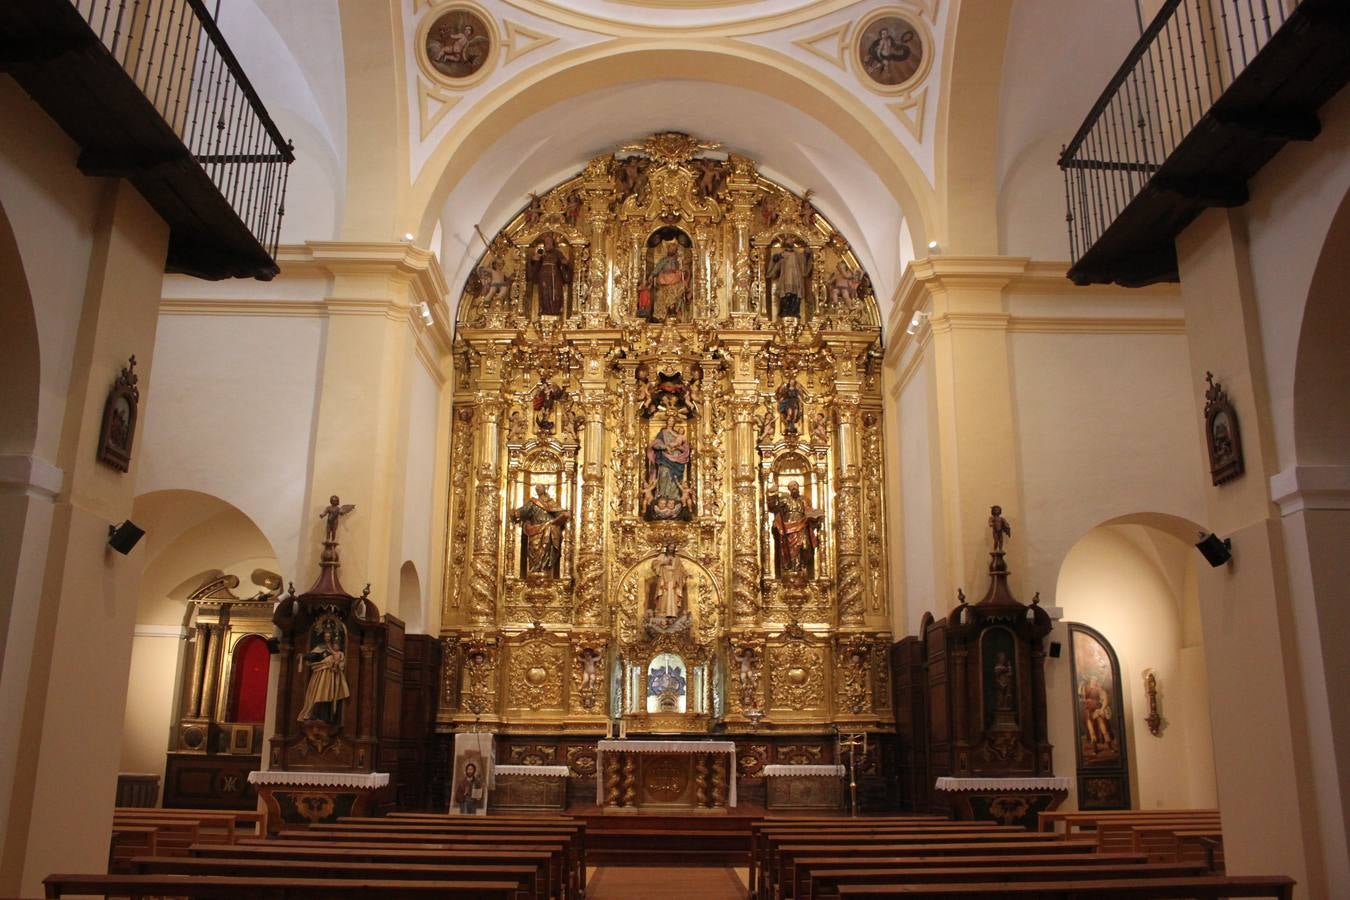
934, 247
425, 310
124, 537
408, 237
916, 322
1214, 549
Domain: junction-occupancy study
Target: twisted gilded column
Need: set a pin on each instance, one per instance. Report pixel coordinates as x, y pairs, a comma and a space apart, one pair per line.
487, 513
745, 560
848, 351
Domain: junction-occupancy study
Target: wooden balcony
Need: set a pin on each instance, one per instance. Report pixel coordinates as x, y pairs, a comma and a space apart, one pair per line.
151, 93
1209, 94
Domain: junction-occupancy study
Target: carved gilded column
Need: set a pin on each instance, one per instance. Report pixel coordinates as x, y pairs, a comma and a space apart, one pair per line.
745, 559
211, 679
590, 571
487, 514
743, 193
199, 657
848, 350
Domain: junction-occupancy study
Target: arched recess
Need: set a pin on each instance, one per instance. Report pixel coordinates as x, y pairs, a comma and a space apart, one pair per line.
1322, 369
19, 389
191, 538
410, 598
594, 69
1134, 580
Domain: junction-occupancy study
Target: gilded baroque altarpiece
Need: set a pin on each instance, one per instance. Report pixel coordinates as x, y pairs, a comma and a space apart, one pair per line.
666, 472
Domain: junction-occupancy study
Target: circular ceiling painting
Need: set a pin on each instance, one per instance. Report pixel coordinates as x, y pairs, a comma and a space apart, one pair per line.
891, 51
459, 43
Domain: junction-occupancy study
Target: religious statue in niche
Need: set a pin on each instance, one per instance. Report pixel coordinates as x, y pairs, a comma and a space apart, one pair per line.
667, 588
545, 399
891, 50
327, 659
795, 527
1221, 434
789, 274
541, 524
666, 493
664, 293
458, 43
550, 271
119, 420
789, 396
746, 677
590, 668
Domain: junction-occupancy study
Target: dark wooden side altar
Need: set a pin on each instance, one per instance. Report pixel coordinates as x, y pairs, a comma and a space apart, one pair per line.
970, 705
339, 745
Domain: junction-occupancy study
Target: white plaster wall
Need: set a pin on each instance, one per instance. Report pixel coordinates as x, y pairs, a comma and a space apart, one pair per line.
917, 478
1059, 56
1132, 583
231, 414
149, 713
1105, 428
419, 483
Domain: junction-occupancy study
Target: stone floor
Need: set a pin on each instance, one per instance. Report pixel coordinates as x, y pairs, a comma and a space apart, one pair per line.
666, 883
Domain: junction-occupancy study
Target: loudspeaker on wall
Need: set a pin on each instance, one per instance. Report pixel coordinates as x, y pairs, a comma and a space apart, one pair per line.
124, 537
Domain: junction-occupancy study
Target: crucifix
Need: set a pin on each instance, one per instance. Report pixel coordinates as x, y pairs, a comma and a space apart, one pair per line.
852, 740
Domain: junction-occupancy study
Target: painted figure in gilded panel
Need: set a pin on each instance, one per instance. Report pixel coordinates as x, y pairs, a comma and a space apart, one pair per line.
541, 523
795, 526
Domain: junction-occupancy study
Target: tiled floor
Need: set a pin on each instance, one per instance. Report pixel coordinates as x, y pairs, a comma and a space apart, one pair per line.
667, 883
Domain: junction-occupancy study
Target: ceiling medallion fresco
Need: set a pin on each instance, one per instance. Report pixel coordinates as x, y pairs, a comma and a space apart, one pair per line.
892, 51
457, 45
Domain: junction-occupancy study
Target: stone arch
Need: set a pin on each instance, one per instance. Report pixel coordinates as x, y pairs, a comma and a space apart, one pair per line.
1135, 579
1322, 366
410, 598
594, 69
19, 347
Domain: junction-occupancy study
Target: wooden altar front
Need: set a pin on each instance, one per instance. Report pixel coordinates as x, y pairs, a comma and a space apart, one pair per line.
666, 776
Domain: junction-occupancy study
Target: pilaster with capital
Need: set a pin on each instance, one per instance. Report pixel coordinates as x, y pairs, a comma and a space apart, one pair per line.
745, 550
487, 526
848, 351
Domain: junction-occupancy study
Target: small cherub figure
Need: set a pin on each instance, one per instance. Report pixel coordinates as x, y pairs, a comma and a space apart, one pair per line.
999, 526
515, 427
332, 514
820, 427
844, 284
493, 282
590, 668
766, 425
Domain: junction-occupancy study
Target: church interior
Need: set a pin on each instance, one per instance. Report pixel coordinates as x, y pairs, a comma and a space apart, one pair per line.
513, 421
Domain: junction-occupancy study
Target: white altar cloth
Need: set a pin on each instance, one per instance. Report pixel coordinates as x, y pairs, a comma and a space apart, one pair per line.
1053, 783
779, 769
320, 779
690, 747
537, 771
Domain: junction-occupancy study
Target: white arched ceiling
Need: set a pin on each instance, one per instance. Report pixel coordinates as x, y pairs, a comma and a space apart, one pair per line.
660, 14
790, 147
292, 55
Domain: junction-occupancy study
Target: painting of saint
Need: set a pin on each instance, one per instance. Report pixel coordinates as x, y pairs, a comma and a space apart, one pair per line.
666, 493
541, 524
458, 43
890, 50
1095, 690
327, 686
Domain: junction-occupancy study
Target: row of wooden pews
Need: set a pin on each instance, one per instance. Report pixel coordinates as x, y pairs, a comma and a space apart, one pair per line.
1163, 835
822, 859
141, 831
410, 855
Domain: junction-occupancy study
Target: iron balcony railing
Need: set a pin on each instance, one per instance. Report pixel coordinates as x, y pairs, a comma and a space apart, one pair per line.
176, 55
1189, 55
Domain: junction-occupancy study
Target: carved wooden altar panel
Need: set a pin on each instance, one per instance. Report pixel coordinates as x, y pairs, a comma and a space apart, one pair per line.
667, 499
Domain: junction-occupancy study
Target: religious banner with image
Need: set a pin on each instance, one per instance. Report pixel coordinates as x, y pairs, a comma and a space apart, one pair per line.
472, 774
1099, 714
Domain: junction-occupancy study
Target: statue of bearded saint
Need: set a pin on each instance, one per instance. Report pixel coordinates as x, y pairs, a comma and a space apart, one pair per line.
541, 523
795, 527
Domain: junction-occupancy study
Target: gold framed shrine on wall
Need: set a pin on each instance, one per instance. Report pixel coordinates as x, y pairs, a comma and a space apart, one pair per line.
667, 436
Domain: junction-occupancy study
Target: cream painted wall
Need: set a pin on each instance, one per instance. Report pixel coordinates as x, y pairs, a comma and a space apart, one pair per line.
233, 417
1106, 428
1059, 56
149, 711
419, 490
917, 461
1132, 583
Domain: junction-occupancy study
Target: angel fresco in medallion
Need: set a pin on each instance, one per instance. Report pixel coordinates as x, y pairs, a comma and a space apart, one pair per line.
458, 43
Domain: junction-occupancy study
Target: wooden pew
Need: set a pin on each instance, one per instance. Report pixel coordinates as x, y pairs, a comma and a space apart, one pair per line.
826, 886
549, 862
808, 868
526, 876
777, 872
1204, 886
222, 887
1119, 833
208, 827
129, 841
1049, 821
241, 821
573, 832
762, 834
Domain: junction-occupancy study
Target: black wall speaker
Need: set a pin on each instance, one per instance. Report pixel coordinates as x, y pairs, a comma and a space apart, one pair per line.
1216, 551
125, 536
1055, 648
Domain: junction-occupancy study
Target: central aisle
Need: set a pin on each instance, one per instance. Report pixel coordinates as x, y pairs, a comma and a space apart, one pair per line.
666, 883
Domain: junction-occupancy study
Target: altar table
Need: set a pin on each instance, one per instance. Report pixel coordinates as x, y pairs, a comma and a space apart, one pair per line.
1008, 801
305, 798
803, 786
665, 776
